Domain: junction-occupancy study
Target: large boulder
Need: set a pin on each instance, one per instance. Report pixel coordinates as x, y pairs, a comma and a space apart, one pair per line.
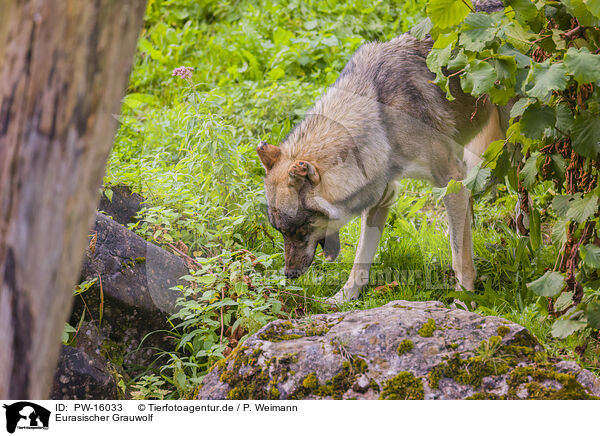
403, 350
80, 376
131, 297
130, 269
122, 205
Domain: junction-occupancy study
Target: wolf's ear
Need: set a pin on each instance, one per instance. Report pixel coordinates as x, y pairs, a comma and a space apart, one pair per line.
268, 155
302, 170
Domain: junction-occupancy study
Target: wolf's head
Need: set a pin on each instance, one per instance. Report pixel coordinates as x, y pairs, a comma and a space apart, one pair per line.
297, 210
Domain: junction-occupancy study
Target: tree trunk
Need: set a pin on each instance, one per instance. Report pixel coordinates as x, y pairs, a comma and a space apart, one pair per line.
64, 67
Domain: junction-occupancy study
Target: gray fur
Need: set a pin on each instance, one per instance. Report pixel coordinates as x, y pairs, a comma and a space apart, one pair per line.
382, 120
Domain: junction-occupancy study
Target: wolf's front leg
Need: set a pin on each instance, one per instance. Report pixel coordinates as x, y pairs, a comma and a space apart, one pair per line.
458, 208
371, 228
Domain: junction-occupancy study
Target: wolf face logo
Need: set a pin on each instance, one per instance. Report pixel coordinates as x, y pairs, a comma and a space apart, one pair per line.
382, 120
27, 415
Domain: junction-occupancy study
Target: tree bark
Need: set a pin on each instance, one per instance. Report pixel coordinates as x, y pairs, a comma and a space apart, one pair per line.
64, 67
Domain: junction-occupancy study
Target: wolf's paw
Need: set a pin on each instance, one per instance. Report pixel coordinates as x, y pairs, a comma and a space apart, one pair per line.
343, 296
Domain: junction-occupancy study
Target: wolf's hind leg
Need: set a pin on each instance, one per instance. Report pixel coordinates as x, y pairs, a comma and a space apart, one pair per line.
371, 228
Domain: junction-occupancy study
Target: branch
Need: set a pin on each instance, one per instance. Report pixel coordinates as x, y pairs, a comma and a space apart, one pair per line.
467, 5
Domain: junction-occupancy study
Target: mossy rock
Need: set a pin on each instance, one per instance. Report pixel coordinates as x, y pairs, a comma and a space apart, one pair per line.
427, 329
404, 386
411, 350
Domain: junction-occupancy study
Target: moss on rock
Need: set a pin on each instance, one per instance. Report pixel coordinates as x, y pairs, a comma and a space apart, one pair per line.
277, 332
532, 379
484, 396
404, 386
336, 386
254, 382
311, 381
427, 329
469, 371
273, 393
502, 330
404, 347
342, 381
286, 331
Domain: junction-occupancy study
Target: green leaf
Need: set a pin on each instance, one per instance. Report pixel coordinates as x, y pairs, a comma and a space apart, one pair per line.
438, 58
518, 37
559, 232
135, 100
559, 165
181, 378
529, 171
147, 47
582, 12
492, 153
565, 327
561, 204
276, 73
512, 178
535, 120
500, 94
331, 41
477, 178
558, 40
586, 135
593, 6
548, 285
445, 40
525, 9
448, 13
421, 30
67, 331
535, 231
458, 62
452, 187
479, 77
506, 68
171, 36
564, 117
310, 25
522, 60
108, 194
593, 314
543, 78
207, 280
477, 30
583, 65
182, 15
581, 209
564, 300
520, 106
591, 255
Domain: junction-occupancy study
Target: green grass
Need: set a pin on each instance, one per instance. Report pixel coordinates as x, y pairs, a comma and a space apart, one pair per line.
189, 148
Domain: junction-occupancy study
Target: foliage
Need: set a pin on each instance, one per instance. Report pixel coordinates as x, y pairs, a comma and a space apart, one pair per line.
187, 144
149, 387
69, 333
226, 299
542, 59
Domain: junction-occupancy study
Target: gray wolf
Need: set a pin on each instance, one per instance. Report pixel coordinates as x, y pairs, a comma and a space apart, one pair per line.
382, 120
